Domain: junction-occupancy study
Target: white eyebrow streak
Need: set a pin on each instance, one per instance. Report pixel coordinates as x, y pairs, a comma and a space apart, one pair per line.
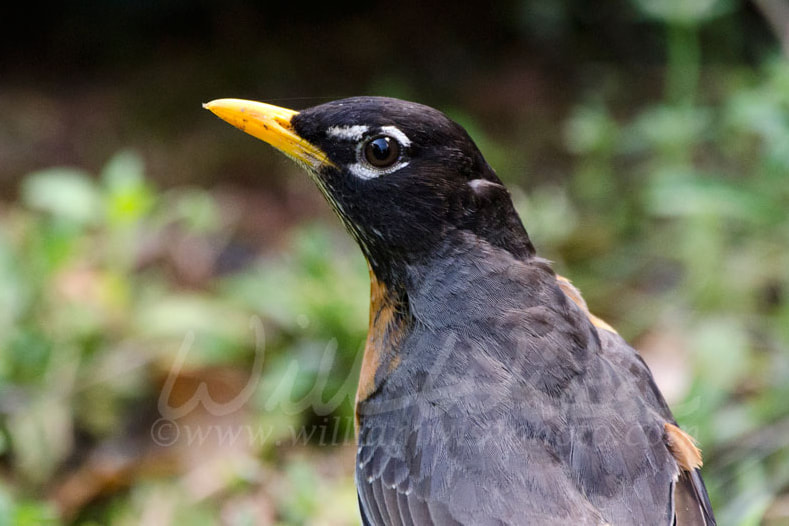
395, 132
348, 133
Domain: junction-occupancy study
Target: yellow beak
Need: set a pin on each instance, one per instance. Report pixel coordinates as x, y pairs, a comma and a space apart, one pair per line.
270, 124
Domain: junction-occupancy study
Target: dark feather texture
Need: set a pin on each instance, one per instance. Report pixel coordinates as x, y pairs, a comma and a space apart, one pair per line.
509, 405
490, 395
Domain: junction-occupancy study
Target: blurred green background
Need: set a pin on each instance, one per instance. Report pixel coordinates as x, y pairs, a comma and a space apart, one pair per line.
181, 316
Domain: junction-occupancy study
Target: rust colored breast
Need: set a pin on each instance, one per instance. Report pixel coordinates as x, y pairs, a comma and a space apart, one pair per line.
386, 328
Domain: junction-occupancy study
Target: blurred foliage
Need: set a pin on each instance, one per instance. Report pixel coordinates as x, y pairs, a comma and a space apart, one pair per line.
119, 298
93, 318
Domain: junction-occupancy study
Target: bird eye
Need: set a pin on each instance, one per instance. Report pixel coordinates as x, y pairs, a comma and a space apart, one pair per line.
382, 151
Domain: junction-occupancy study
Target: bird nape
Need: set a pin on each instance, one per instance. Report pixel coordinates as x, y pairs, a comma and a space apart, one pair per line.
489, 394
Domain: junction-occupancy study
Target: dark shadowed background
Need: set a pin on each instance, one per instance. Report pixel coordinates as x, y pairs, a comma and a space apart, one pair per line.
181, 316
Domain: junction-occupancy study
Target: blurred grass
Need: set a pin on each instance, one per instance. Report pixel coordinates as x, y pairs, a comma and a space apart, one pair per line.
671, 219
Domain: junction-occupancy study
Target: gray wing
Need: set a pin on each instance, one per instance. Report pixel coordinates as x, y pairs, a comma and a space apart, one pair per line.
519, 411
457, 442
690, 503
438, 475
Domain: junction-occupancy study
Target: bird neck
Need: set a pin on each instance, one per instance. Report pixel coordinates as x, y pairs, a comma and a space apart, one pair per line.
487, 212
400, 271
404, 294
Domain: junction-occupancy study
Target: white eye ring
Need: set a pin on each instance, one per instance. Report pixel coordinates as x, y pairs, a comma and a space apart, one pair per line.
363, 167
395, 132
366, 171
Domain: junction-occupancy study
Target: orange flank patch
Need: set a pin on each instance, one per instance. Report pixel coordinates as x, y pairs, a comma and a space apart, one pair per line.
575, 296
683, 447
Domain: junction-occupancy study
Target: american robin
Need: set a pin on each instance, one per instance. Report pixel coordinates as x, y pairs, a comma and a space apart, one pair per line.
488, 392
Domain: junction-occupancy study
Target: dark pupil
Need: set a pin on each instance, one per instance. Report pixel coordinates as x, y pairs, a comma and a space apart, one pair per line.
381, 151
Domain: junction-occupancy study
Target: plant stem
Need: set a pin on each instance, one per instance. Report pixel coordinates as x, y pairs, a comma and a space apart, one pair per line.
683, 63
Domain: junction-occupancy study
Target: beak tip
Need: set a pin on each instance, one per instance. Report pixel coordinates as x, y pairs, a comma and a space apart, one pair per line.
270, 124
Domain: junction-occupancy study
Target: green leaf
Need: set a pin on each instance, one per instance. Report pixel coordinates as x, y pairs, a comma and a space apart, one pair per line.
66, 193
680, 191
686, 12
720, 348
129, 198
590, 129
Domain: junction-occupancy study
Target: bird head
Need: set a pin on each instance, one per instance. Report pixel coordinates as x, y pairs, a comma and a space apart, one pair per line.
401, 176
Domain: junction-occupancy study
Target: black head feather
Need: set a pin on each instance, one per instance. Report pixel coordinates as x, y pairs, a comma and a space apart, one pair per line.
439, 185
